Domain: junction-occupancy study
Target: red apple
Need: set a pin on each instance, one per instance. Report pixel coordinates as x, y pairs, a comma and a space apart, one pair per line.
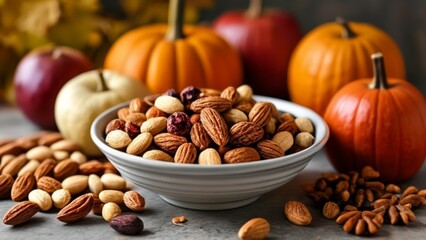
265, 40
40, 75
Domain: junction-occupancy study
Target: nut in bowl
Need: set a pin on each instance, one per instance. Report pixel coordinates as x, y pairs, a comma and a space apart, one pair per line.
187, 183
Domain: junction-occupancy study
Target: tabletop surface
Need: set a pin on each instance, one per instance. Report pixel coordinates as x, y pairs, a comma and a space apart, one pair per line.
222, 224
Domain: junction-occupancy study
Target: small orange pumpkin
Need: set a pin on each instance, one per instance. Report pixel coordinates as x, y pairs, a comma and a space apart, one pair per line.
175, 56
380, 123
335, 54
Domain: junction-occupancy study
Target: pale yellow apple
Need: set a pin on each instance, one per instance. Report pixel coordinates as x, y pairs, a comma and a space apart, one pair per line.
84, 97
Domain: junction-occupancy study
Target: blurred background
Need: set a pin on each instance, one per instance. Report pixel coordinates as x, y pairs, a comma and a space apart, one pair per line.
27, 24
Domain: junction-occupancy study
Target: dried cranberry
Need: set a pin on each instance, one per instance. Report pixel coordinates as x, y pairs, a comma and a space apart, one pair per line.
189, 94
172, 92
179, 124
132, 129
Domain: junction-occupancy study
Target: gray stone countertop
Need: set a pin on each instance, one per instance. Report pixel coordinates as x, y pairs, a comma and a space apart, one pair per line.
201, 224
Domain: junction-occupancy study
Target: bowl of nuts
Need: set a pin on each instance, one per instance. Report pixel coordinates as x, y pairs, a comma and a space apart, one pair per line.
208, 149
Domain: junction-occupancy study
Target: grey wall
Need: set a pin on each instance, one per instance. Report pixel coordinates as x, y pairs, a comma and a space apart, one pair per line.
403, 20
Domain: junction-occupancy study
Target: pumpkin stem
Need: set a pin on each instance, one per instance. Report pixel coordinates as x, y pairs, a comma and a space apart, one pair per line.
254, 9
347, 31
176, 12
102, 84
379, 80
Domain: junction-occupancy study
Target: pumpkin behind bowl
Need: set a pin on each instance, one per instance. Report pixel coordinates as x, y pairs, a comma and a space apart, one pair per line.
334, 54
174, 56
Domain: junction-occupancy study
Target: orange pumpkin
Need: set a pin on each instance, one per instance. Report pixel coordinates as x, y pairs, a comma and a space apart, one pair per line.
175, 56
335, 54
380, 123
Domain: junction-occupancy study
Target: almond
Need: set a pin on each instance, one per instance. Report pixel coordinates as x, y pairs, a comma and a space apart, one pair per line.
169, 104
214, 102
304, 124
5, 159
50, 138
118, 139
95, 184
111, 196
134, 201
331, 210
77, 209
137, 105
123, 112
61, 155
199, 136
269, 149
154, 125
215, 126
261, 113
289, 126
20, 213
97, 205
15, 165
65, 169
110, 210
245, 105
245, 91
157, 155
61, 198
78, 157
40, 153
139, 144
113, 181
75, 184
154, 112
65, 145
48, 184
256, 228
91, 167
304, 139
41, 198
169, 142
115, 124
45, 168
31, 166
136, 118
209, 157
6, 183
22, 186
297, 213
231, 94
284, 140
186, 153
11, 148
233, 116
244, 134
209, 92
242, 154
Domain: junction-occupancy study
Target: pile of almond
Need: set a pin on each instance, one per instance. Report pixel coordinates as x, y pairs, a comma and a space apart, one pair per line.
207, 127
361, 203
45, 171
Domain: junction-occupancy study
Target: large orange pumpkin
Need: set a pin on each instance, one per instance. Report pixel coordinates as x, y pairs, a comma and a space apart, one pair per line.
175, 56
335, 54
381, 123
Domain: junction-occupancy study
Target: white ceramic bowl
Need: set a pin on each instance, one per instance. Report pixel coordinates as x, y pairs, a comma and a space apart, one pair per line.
212, 187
